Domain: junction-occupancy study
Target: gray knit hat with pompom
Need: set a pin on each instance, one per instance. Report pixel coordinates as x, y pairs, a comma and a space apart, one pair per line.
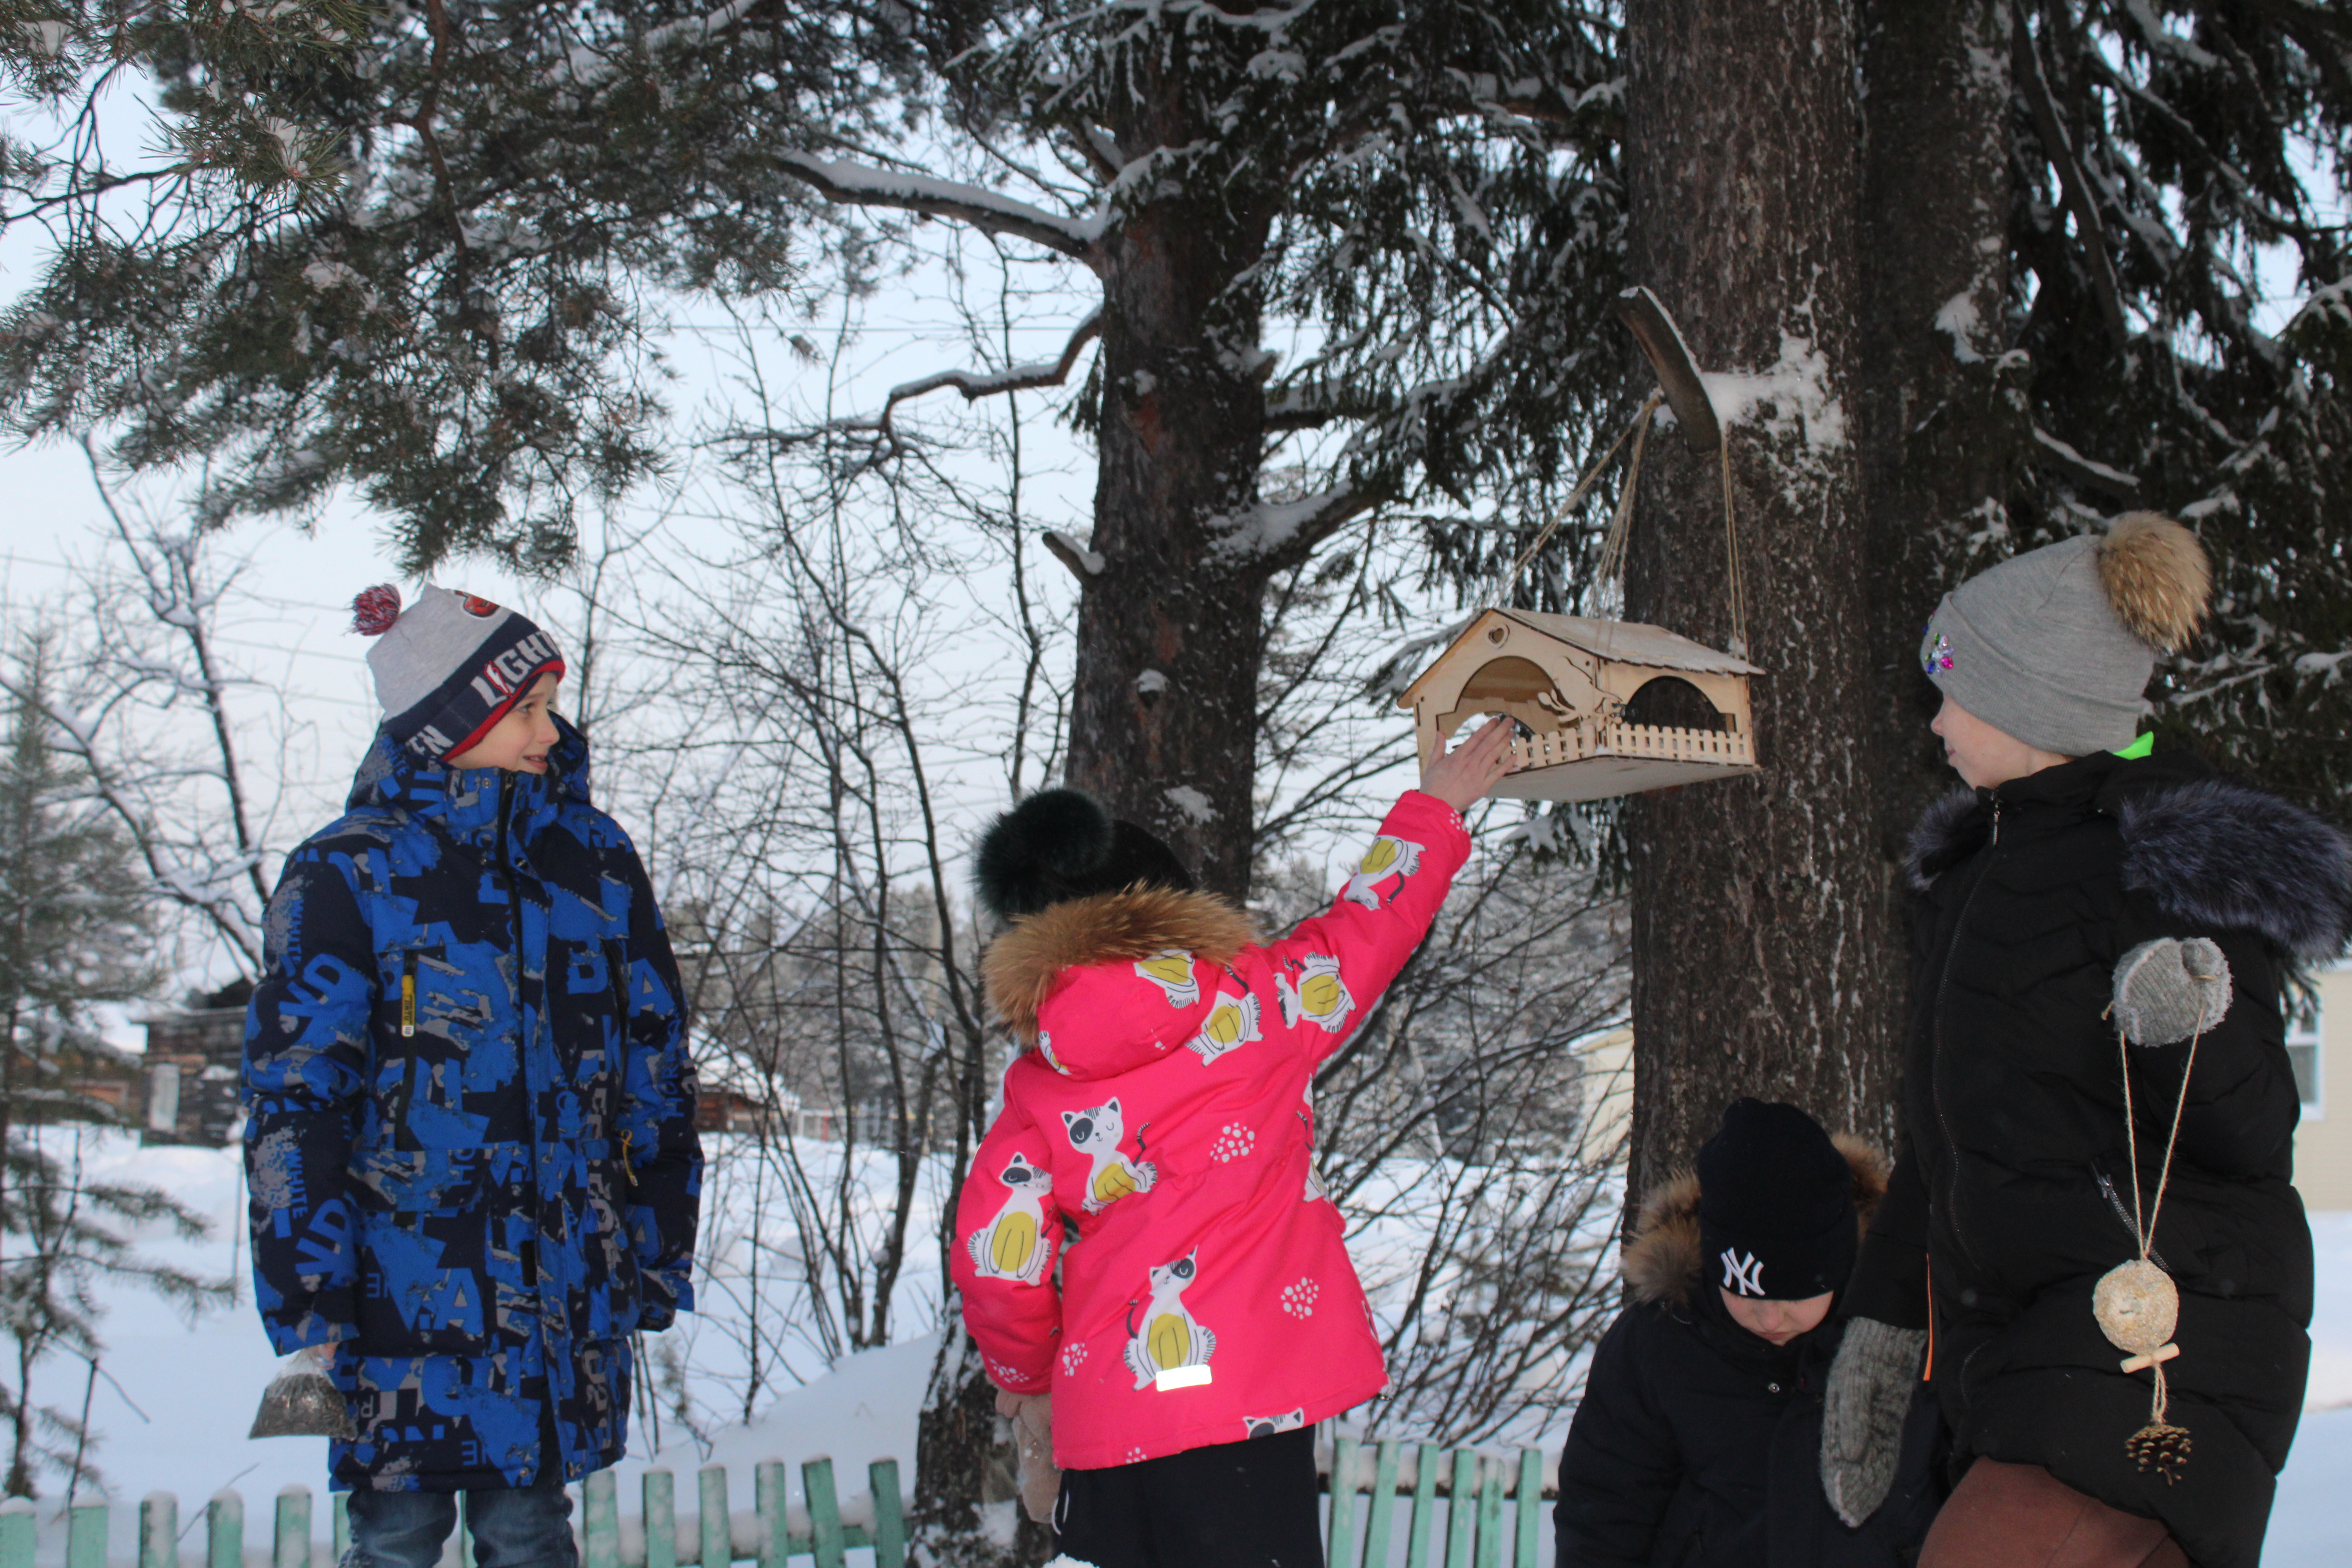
2055, 646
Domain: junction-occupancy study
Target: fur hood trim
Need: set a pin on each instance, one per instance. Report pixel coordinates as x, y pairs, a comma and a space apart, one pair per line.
2220, 855
1142, 922
1942, 838
2209, 852
1663, 1260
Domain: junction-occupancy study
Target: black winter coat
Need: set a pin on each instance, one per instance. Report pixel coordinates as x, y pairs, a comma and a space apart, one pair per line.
1698, 1444
2012, 1175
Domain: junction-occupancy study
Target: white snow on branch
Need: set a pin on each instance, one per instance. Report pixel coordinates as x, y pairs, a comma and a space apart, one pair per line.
862, 186
2335, 300
1192, 803
1071, 554
587, 68
2330, 665
1959, 319
2163, 40
1791, 398
1267, 527
2084, 470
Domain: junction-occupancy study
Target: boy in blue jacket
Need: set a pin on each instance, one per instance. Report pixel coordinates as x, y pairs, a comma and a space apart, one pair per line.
470, 1136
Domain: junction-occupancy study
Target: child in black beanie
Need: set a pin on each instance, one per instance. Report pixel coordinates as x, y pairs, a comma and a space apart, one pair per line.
1695, 1442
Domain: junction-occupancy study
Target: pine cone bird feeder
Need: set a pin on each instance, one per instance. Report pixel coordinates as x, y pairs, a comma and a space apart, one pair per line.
1580, 685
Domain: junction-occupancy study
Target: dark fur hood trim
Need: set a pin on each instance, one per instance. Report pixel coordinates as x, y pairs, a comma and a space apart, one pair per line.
1023, 963
1663, 1260
2212, 853
2218, 854
1945, 834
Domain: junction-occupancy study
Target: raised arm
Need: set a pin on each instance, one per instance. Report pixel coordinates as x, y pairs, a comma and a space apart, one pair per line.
1337, 963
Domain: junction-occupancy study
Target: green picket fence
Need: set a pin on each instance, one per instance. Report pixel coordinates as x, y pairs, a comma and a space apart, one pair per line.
1475, 1488
1475, 1485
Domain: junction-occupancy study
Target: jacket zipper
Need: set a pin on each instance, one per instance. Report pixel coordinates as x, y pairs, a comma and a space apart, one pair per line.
530, 1259
405, 1096
1934, 1070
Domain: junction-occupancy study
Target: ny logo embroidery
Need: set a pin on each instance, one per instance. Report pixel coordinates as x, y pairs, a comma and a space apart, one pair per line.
1743, 1275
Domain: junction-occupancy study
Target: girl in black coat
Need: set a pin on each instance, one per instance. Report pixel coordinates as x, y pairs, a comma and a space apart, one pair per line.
2089, 913
1694, 1446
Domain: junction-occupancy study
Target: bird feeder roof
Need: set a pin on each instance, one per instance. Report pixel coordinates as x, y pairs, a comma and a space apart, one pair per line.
1617, 642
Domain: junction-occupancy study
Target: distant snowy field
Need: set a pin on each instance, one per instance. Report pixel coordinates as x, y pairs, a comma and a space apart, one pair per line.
187, 1394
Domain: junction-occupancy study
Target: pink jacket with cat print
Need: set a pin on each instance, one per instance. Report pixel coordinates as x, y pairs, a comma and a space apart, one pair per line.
1165, 1109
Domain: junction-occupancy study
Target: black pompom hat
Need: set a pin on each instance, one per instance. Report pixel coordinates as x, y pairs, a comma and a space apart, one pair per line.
1775, 1205
1061, 844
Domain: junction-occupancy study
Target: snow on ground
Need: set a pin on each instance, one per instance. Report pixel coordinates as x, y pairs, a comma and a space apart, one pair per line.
2310, 1527
186, 1394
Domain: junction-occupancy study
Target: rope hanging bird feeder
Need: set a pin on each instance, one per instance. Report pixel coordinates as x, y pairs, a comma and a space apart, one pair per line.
1570, 680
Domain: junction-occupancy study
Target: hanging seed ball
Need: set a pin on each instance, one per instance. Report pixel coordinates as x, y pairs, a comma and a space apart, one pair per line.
2136, 1305
2159, 1448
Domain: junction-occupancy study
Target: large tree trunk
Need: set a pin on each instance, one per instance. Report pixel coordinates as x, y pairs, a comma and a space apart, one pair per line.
1762, 958
1163, 723
1941, 430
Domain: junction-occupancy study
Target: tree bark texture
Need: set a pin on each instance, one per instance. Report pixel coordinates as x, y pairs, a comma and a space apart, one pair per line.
1763, 958
1942, 414
1164, 722
968, 1510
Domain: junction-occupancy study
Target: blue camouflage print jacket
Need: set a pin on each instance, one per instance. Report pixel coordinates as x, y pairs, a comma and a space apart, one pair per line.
469, 1137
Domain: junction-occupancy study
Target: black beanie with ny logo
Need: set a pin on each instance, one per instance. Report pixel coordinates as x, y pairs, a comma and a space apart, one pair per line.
1776, 1214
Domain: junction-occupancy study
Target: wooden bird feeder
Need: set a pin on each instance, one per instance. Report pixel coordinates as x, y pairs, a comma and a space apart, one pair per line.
1569, 680
1572, 681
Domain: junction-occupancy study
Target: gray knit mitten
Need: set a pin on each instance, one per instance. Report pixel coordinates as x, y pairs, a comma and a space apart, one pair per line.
1869, 1397
2168, 990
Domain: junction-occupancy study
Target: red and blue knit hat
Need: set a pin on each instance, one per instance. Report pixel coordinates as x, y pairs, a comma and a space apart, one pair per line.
449, 666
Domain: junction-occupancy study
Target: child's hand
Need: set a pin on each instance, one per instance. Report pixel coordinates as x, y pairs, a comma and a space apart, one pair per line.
1462, 777
1040, 1483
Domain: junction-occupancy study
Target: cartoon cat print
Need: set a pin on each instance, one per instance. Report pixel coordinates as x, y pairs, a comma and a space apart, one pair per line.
1169, 1337
1096, 1132
1233, 1022
1172, 973
1388, 859
1319, 996
1267, 1425
1014, 1246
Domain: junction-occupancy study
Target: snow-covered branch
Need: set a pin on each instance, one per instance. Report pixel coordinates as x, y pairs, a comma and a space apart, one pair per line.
2083, 471
1284, 531
858, 185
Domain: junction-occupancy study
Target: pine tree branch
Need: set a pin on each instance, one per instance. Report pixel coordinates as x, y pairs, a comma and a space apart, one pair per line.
2026, 59
855, 185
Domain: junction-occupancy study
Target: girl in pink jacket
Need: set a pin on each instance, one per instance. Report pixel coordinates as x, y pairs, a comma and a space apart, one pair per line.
1206, 1315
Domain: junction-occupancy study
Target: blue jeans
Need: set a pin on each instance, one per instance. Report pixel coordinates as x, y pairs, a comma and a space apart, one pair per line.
527, 1527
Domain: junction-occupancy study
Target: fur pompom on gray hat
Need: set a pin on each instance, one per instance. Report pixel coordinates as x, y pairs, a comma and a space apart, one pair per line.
2055, 646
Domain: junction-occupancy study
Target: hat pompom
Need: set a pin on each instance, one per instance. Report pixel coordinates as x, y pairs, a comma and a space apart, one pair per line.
2157, 576
1031, 856
374, 609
